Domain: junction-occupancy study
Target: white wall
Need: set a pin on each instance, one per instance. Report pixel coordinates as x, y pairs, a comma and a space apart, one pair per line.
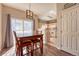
60, 7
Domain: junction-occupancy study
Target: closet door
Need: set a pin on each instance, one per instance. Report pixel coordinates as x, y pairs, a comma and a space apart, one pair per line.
69, 44
74, 31
69, 30
64, 31
78, 30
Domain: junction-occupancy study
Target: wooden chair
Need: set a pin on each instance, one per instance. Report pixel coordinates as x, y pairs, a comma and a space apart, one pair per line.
20, 45
36, 46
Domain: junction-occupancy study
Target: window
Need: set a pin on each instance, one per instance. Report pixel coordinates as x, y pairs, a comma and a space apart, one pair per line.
22, 27
28, 27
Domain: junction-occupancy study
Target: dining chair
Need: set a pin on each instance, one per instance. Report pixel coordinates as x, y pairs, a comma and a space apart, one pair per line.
24, 46
36, 44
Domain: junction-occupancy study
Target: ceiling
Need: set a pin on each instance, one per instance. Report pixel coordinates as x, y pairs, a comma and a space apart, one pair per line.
45, 11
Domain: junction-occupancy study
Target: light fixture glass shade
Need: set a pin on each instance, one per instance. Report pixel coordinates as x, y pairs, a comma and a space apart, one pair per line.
29, 14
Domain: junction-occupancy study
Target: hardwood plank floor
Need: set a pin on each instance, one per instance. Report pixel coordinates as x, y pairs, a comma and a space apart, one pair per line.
52, 51
48, 51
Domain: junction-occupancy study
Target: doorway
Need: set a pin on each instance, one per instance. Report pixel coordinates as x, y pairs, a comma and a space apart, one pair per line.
51, 33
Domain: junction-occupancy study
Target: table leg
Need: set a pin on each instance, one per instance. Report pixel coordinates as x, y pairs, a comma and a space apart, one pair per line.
41, 45
21, 51
32, 49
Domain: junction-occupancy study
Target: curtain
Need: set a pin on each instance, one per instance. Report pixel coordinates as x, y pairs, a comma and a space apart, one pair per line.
8, 33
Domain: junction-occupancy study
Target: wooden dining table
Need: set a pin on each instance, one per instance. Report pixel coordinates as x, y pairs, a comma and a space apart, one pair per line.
32, 37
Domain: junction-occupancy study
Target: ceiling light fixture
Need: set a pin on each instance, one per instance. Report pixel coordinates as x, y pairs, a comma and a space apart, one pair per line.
29, 13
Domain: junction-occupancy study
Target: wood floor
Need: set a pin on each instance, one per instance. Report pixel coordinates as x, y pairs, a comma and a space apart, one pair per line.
52, 51
48, 51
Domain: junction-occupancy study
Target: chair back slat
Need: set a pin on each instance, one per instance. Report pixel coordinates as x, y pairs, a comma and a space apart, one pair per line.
15, 35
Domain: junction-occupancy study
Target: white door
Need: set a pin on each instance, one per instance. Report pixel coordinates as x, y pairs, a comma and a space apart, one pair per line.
69, 30
64, 31
78, 30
